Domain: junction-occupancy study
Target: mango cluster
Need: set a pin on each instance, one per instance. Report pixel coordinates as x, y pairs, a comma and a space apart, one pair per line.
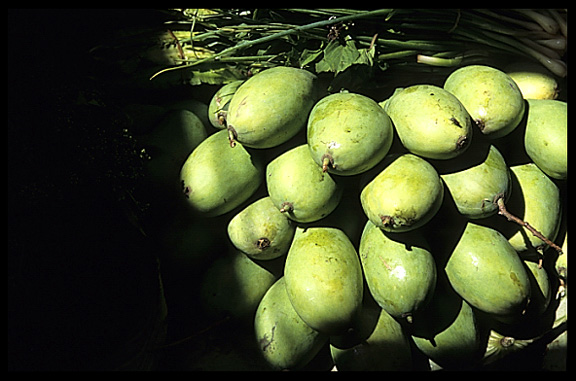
387, 217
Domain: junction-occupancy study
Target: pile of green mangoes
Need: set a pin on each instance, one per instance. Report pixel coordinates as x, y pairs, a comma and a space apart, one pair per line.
385, 229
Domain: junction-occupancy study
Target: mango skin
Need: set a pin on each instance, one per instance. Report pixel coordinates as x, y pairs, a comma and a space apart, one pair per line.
285, 341
430, 121
219, 103
546, 136
490, 96
296, 184
324, 279
448, 331
352, 129
475, 189
217, 178
542, 206
485, 270
403, 196
261, 231
272, 106
399, 270
385, 347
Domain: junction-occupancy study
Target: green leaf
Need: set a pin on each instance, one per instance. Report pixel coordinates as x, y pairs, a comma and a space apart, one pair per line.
338, 57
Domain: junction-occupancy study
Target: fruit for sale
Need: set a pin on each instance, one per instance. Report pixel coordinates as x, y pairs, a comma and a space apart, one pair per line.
487, 272
261, 231
490, 96
384, 346
403, 196
299, 188
348, 133
324, 279
217, 178
536, 200
561, 264
271, 107
533, 80
218, 106
430, 121
546, 136
399, 270
234, 285
482, 179
448, 331
284, 339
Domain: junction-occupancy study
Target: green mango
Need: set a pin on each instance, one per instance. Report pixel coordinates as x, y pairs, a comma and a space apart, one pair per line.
541, 293
299, 188
384, 345
535, 200
168, 145
233, 285
324, 279
546, 136
488, 273
561, 263
430, 121
348, 133
261, 231
476, 187
217, 178
533, 80
219, 103
399, 270
285, 341
448, 331
491, 97
271, 107
403, 196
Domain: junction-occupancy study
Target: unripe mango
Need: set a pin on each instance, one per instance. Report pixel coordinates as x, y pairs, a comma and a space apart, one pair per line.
399, 270
385, 346
533, 80
448, 332
430, 121
546, 136
217, 178
271, 107
348, 133
218, 106
490, 96
285, 341
535, 200
404, 196
324, 279
488, 273
476, 187
261, 231
299, 188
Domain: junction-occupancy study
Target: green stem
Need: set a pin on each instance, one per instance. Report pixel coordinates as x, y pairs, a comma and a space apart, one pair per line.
247, 44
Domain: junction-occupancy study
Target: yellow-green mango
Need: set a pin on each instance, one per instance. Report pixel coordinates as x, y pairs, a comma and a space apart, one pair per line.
385, 346
448, 331
299, 188
490, 96
284, 339
546, 136
561, 264
399, 269
271, 106
405, 195
535, 200
219, 103
324, 279
476, 187
217, 178
233, 285
533, 80
348, 133
487, 272
430, 121
261, 231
